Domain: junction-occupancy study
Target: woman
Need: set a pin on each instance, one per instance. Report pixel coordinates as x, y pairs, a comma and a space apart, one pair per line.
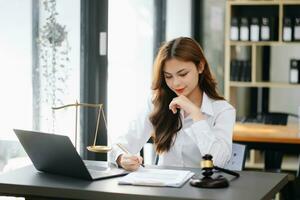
186, 116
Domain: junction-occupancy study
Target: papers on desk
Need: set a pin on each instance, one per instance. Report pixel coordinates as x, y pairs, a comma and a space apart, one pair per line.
157, 177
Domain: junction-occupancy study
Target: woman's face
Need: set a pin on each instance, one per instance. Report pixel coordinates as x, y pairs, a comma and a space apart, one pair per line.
181, 77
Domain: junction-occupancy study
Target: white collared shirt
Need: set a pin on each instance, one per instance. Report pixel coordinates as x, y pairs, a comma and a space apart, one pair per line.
212, 135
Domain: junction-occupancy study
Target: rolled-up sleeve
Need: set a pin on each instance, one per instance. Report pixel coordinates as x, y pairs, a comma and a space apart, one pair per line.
216, 139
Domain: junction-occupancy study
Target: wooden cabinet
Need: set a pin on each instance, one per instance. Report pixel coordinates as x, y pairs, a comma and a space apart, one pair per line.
274, 10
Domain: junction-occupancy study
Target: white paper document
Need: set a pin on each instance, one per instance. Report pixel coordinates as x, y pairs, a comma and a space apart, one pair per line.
157, 177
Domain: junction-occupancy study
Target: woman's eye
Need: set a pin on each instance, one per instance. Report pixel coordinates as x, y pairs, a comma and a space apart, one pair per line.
167, 76
182, 75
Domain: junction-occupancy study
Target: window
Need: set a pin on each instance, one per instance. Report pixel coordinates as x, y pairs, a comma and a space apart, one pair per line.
19, 96
130, 58
15, 65
15, 75
58, 70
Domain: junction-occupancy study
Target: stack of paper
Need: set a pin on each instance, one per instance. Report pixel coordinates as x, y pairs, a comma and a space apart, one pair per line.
157, 177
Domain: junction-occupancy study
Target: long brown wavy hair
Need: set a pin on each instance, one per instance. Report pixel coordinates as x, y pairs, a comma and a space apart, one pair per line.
165, 123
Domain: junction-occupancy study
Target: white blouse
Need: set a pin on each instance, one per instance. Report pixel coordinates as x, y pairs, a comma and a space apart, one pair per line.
210, 136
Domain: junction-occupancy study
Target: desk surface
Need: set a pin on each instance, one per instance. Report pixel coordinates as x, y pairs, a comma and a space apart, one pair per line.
29, 182
252, 132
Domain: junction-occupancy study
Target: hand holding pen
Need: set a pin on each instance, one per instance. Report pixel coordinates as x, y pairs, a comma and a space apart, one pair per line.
128, 161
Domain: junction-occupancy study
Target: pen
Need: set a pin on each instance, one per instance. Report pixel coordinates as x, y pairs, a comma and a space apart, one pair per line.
126, 151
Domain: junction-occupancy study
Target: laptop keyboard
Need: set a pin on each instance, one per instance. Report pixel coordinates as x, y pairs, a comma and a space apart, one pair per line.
96, 168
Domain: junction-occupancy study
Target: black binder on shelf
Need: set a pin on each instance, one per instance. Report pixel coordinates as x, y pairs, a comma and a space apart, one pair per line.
240, 70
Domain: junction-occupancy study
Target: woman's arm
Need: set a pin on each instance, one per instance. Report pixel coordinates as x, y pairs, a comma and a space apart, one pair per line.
133, 140
215, 140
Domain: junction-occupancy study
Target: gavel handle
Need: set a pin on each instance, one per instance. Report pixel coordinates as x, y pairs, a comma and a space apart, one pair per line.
227, 171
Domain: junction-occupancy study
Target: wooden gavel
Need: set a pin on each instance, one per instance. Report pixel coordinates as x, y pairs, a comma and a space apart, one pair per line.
208, 181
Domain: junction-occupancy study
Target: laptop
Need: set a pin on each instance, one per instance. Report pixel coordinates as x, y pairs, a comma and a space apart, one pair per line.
56, 154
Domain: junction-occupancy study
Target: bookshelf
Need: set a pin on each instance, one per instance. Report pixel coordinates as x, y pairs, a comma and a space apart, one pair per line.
253, 51
277, 9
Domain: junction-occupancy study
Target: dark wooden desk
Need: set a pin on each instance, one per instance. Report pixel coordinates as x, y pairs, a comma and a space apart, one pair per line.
30, 183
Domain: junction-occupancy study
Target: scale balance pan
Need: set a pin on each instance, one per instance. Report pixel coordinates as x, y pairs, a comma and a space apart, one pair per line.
99, 148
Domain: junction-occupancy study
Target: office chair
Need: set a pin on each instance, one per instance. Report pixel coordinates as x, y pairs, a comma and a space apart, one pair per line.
273, 159
274, 118
154, 161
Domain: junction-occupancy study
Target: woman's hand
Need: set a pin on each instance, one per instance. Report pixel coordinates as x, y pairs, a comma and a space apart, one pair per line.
129, 162
182, 102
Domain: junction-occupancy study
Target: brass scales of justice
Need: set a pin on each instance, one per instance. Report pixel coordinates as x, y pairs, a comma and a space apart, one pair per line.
93, 148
